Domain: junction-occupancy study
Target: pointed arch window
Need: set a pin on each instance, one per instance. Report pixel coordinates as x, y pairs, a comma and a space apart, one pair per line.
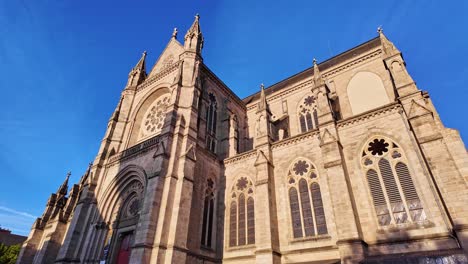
211, 122
308, 118
391, 186
305, 201
242, 214
208, 215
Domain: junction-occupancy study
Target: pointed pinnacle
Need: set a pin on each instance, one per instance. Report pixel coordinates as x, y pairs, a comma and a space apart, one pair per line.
197, 16
314, 61
174, 33
262, 87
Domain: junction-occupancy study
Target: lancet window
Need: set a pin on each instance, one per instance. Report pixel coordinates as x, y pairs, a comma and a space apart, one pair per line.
391, 186
305, 200
308, 118
208, 214
211, 122
242, 213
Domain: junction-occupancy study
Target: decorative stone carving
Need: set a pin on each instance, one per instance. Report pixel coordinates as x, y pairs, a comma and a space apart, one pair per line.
154, 117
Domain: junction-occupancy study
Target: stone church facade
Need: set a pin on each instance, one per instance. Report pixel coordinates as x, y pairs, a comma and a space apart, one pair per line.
344, 162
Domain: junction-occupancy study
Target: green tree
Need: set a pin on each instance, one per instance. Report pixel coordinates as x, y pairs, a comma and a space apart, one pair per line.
8, 254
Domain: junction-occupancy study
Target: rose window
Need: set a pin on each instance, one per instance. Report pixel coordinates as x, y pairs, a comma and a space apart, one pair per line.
242, 183
154, 117
378, 147
309, 101
301, 167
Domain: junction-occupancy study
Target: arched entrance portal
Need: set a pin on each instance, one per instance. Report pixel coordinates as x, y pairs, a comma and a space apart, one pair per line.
123, 228
123, 255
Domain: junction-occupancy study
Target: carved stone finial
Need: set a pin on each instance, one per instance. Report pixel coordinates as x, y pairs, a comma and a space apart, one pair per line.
144, 53
174, 33
262, 87
197, 16
314, 62
380, 30
68, 174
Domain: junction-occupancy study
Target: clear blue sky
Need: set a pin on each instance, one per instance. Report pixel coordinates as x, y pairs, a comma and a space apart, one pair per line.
63, 65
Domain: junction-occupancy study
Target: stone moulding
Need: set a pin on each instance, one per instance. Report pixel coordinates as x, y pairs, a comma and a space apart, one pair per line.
326, 74
284, 142
133, 151
283, 93
296, 139
242, 156
158, 76
350, 64
369, 114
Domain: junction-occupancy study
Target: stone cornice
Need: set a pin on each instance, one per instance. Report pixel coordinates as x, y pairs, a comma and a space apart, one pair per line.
158, 76
369, 114
334, 71
240, 157
283, 93
134, 151
296, 139
327, 74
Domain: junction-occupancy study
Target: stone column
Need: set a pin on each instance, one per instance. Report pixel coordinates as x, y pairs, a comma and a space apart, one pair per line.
266, 219
349, 242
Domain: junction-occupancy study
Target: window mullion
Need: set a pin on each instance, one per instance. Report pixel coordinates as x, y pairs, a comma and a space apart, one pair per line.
312, 207
402, 194
299, 198
384, 190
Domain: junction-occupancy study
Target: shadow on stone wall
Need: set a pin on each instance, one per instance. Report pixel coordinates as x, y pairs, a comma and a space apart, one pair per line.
416, 252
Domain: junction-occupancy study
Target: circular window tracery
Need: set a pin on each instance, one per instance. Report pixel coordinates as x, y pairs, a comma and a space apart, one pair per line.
132, 208
154, 117
378, 147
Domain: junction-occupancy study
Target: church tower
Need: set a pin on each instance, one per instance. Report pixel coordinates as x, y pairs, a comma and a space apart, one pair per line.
344, 162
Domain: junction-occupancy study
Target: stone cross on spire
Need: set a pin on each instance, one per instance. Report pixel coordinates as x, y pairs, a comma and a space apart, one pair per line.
380, 30
174, 33
387, 47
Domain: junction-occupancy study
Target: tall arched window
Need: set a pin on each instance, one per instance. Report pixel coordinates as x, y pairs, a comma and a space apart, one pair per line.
208, 214
305, 201
211, 122
308, 118
242, 214
393, 193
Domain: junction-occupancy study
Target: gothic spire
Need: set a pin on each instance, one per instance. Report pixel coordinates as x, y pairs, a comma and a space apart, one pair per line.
138, 74
194, 37
87, 173
318, 79
262, 103
387, 46
141, 65
64, 187
115, 115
